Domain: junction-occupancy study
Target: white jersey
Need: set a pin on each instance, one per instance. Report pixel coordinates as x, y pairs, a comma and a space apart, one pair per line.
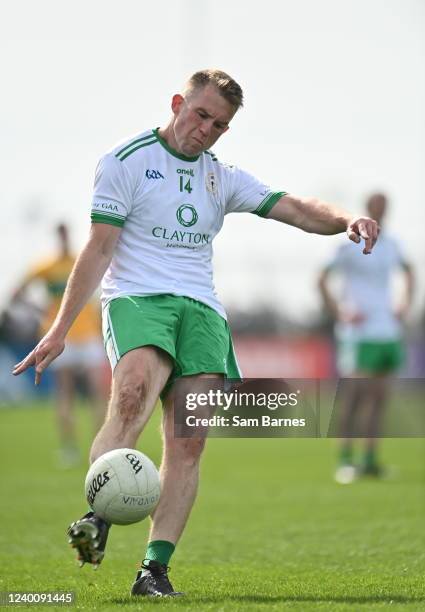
367, 290
170, 208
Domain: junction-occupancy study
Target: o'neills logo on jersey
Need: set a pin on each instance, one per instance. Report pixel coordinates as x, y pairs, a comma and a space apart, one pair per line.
178, 236
184, 171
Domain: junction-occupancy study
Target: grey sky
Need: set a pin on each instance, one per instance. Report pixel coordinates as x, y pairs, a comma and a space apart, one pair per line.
334, 89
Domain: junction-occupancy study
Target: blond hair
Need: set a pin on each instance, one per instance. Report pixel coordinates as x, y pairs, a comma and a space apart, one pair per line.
226, 86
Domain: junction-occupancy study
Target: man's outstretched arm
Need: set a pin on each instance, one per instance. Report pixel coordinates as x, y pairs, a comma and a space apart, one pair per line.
318, 217
86, 275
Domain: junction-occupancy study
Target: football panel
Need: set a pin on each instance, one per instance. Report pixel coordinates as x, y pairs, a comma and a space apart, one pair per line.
128, 509
101, 484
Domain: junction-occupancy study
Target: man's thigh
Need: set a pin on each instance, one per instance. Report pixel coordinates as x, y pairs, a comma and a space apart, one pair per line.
204, 344
179, 404
133, 322
138, 380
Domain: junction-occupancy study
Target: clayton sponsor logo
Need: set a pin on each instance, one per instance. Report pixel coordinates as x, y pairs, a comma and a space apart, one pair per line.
186, 215
179, 236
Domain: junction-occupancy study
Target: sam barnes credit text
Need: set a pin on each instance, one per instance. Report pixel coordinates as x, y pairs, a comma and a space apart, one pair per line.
237, 421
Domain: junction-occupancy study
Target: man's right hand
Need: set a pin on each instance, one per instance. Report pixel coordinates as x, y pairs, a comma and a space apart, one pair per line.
350, 316
41, 356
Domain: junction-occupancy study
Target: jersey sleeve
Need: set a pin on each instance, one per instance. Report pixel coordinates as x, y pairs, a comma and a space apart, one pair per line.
248, 194
112, 193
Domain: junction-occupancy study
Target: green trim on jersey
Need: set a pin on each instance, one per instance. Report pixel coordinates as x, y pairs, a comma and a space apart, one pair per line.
112, 220
268, 203
214, 158
173, 151
129, 152
110, 214
133, 143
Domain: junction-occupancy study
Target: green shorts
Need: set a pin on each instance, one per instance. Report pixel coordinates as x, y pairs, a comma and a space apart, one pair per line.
369, 356
195, 336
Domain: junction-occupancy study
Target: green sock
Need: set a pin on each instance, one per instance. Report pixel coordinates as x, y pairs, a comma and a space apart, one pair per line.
346, 455
370, 457
159, 550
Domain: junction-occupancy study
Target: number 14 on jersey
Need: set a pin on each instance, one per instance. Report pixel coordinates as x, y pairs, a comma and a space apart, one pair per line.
185, 186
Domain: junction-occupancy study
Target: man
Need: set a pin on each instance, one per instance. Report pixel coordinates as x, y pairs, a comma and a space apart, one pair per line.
159, 200
369, 332
84, 353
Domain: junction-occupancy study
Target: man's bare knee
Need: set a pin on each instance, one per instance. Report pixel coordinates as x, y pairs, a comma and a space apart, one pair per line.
130, 400
186, 451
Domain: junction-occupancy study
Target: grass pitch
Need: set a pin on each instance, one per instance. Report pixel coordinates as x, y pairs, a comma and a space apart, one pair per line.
270, 529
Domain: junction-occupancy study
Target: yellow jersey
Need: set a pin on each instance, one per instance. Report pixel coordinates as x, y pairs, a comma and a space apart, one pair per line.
55, 273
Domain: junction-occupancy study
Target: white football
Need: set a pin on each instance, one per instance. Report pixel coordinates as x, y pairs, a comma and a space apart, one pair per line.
122, 486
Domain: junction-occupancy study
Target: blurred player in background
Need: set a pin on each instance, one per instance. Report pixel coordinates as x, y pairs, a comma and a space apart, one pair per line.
159, 201
369, 330
84, 353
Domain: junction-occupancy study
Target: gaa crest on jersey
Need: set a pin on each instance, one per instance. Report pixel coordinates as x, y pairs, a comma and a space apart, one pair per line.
211, 182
